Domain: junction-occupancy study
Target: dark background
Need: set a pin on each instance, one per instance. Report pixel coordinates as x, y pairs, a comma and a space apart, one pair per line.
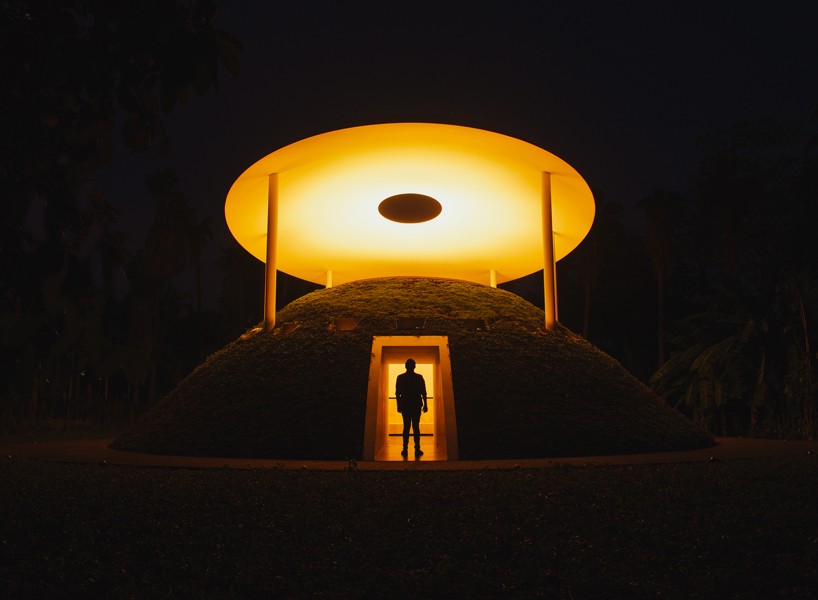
622, 91
124, 125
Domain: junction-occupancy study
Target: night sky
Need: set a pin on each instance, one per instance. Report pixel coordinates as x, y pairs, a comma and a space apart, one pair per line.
622, 91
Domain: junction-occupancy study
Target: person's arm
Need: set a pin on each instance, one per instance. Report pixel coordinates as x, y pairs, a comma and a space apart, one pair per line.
423, 391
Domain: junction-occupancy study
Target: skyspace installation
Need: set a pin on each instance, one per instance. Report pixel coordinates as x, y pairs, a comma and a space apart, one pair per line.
414, 223
410, 199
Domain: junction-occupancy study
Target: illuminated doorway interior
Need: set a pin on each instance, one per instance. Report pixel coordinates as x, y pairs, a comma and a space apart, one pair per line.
384, 425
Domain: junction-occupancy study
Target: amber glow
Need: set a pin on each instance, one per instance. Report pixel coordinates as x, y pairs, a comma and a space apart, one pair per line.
488, 185
388, 357
394, 418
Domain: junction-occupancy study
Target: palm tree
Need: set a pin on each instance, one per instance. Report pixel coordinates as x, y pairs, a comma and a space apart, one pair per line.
722, 359
199, 235
747, 357
800, 303
662, 210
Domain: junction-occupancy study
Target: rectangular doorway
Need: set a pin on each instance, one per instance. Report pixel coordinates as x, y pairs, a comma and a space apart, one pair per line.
384, 425
394, 419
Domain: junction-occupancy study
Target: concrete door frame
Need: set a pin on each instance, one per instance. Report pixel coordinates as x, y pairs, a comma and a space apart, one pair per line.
435, 347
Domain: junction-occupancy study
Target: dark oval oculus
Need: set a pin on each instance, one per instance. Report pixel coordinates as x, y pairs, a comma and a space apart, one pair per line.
410, 208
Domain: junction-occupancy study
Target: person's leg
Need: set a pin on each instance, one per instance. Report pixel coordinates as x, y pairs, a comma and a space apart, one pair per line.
416, 431
406, 423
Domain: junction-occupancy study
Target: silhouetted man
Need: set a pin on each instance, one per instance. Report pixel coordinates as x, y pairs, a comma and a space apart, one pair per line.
410, 390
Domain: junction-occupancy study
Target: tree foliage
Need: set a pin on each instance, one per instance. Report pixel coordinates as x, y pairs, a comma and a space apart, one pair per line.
71, 73
743, 362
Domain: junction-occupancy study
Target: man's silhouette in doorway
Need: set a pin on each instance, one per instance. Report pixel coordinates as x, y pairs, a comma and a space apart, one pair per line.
410, 390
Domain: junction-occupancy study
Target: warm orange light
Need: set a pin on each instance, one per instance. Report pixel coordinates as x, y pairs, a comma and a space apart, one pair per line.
489, 187
394, 418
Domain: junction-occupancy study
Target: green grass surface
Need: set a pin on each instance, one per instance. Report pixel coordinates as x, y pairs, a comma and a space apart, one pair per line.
743, 529
519, 391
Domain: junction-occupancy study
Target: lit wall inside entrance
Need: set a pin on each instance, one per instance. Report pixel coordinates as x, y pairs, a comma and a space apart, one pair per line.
382, 439
394, 418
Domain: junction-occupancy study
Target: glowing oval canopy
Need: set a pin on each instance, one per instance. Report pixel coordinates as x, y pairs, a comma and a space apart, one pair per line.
488, 187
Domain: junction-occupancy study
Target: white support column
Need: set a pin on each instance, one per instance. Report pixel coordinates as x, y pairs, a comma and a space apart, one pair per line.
329, 280
549, 264
493, 278
270, 268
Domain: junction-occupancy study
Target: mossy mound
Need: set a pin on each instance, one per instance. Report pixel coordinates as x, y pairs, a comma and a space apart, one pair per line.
520, 391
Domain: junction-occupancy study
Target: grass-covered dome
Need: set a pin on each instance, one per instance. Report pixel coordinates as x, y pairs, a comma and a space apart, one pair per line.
519, 391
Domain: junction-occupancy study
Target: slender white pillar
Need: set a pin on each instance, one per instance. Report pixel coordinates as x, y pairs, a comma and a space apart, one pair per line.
493, 278
549, 264
329, 279
272, 238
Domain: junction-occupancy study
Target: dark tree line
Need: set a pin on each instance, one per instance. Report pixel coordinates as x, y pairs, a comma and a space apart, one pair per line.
89, 330
715, 303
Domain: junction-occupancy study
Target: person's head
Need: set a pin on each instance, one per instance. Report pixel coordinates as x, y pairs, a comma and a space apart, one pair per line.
410, 364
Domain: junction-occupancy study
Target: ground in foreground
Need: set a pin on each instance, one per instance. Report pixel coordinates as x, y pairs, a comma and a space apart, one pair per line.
728, 529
